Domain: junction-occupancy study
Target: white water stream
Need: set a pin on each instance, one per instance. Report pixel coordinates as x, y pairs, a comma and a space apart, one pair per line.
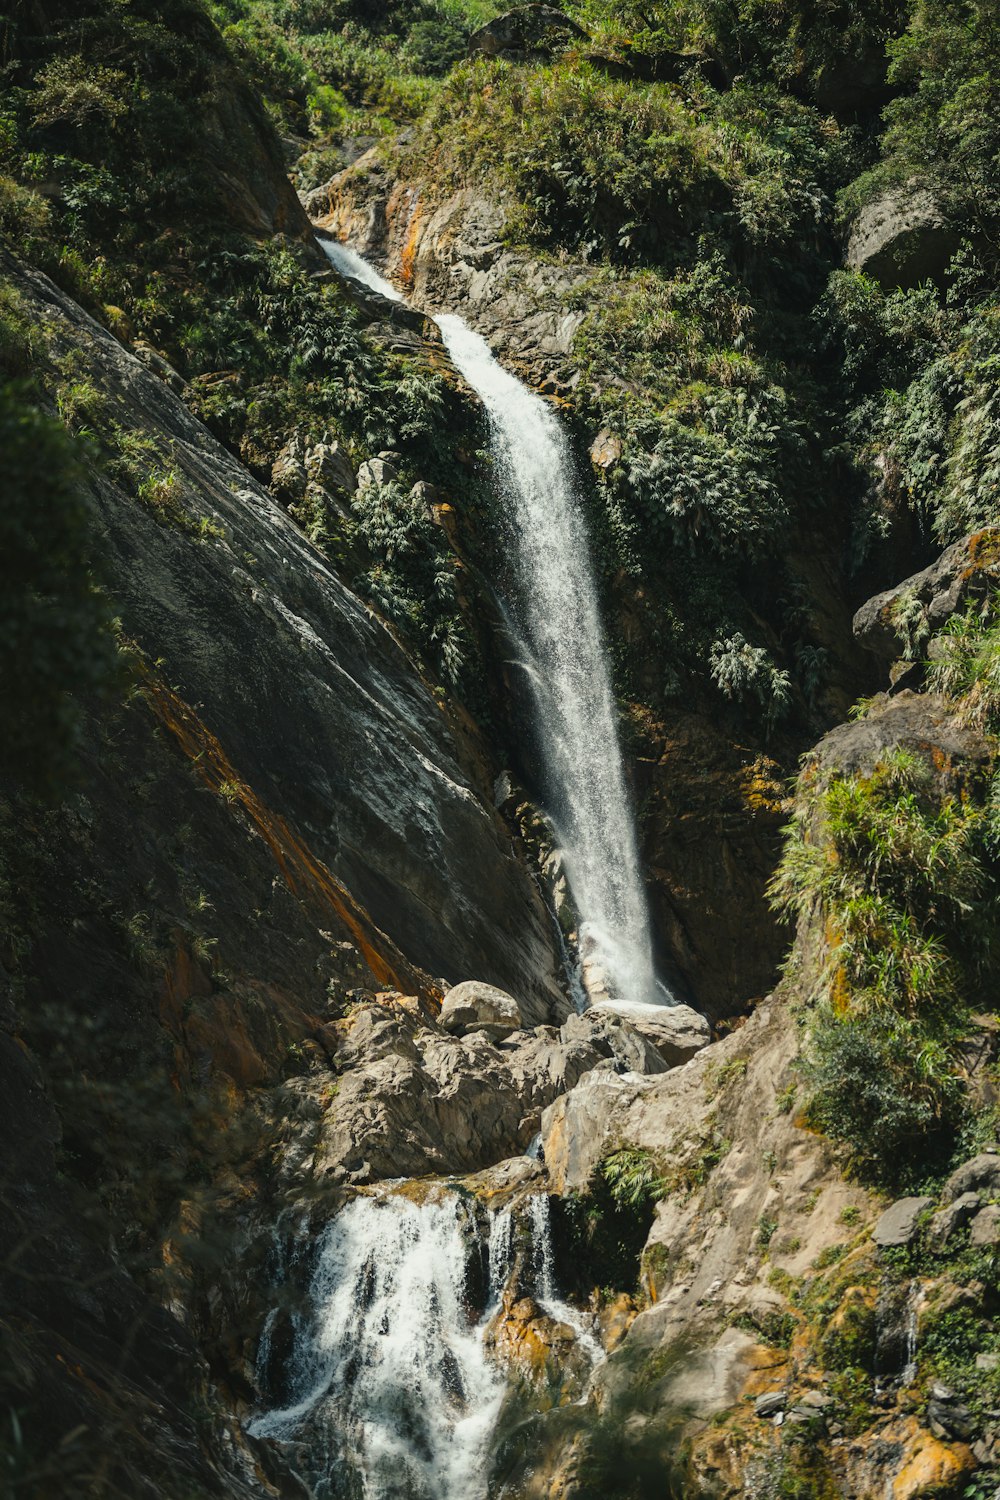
562, 652
389, 1377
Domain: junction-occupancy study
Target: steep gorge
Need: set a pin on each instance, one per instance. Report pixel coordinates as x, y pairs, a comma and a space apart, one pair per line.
622, 1261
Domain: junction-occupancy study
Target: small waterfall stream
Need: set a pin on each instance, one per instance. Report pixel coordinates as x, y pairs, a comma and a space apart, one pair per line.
388, 1378
561, 645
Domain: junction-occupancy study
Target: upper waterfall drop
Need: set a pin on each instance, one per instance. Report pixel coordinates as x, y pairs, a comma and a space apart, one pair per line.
561, 642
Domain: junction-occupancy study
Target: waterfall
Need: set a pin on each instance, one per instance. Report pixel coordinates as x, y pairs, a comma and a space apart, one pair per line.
914, 1301
389, 1381
546, 1291
557, 626
388, 1375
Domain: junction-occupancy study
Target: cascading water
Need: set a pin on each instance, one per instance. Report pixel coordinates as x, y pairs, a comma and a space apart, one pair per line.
547, 1292
561, 643
389, 1379
389, 1382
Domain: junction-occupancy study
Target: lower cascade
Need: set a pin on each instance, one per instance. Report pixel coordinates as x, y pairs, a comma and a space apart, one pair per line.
389, 1378
557, 626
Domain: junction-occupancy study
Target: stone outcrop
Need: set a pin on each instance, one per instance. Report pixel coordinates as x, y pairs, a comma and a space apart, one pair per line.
676, 1031
901, 239
412, 1098
900, 1222
528, 33
900, 621
471, 1006
922, 722
979, 1175
452, 255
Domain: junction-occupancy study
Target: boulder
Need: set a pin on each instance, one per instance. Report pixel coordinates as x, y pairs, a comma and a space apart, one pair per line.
770, 1403
898, 1225
985, 1230
328, 465
472, 1006
947, 1416
930, 1467
900, 621
531, 31
981, 1174
413, 1099
676, 1031
924, 723
901, 239
953, 1217
575, 1126
616, 1039
376, 471
606, 449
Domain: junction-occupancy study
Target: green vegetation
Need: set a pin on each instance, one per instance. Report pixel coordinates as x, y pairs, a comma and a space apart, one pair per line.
599, 1236
113, 187
893, 867
966, 665
633, 1178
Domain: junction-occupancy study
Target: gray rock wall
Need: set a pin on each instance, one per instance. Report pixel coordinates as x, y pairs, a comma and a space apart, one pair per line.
313, 700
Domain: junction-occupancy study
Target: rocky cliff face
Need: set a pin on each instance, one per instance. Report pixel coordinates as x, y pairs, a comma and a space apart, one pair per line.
313, 704
222, 960
282, 816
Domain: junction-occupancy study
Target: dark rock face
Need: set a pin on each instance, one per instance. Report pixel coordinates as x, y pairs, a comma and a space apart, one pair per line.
853, 85
980, 1174
310, 698
167, 946
244, 160
901, 239
899, 621
530, 31
286, 773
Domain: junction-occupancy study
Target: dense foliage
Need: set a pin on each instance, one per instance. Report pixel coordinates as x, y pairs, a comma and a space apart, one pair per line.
897, 868
116, 146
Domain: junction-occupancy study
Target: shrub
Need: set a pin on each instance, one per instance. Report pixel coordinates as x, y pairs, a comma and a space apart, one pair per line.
893, 869
593, 163
633, 1177
76, 91
24, 214
966, 664
742, 671
885, 1089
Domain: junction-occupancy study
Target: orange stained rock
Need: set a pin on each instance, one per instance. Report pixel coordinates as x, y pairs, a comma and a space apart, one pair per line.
304, 873
929, 1466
